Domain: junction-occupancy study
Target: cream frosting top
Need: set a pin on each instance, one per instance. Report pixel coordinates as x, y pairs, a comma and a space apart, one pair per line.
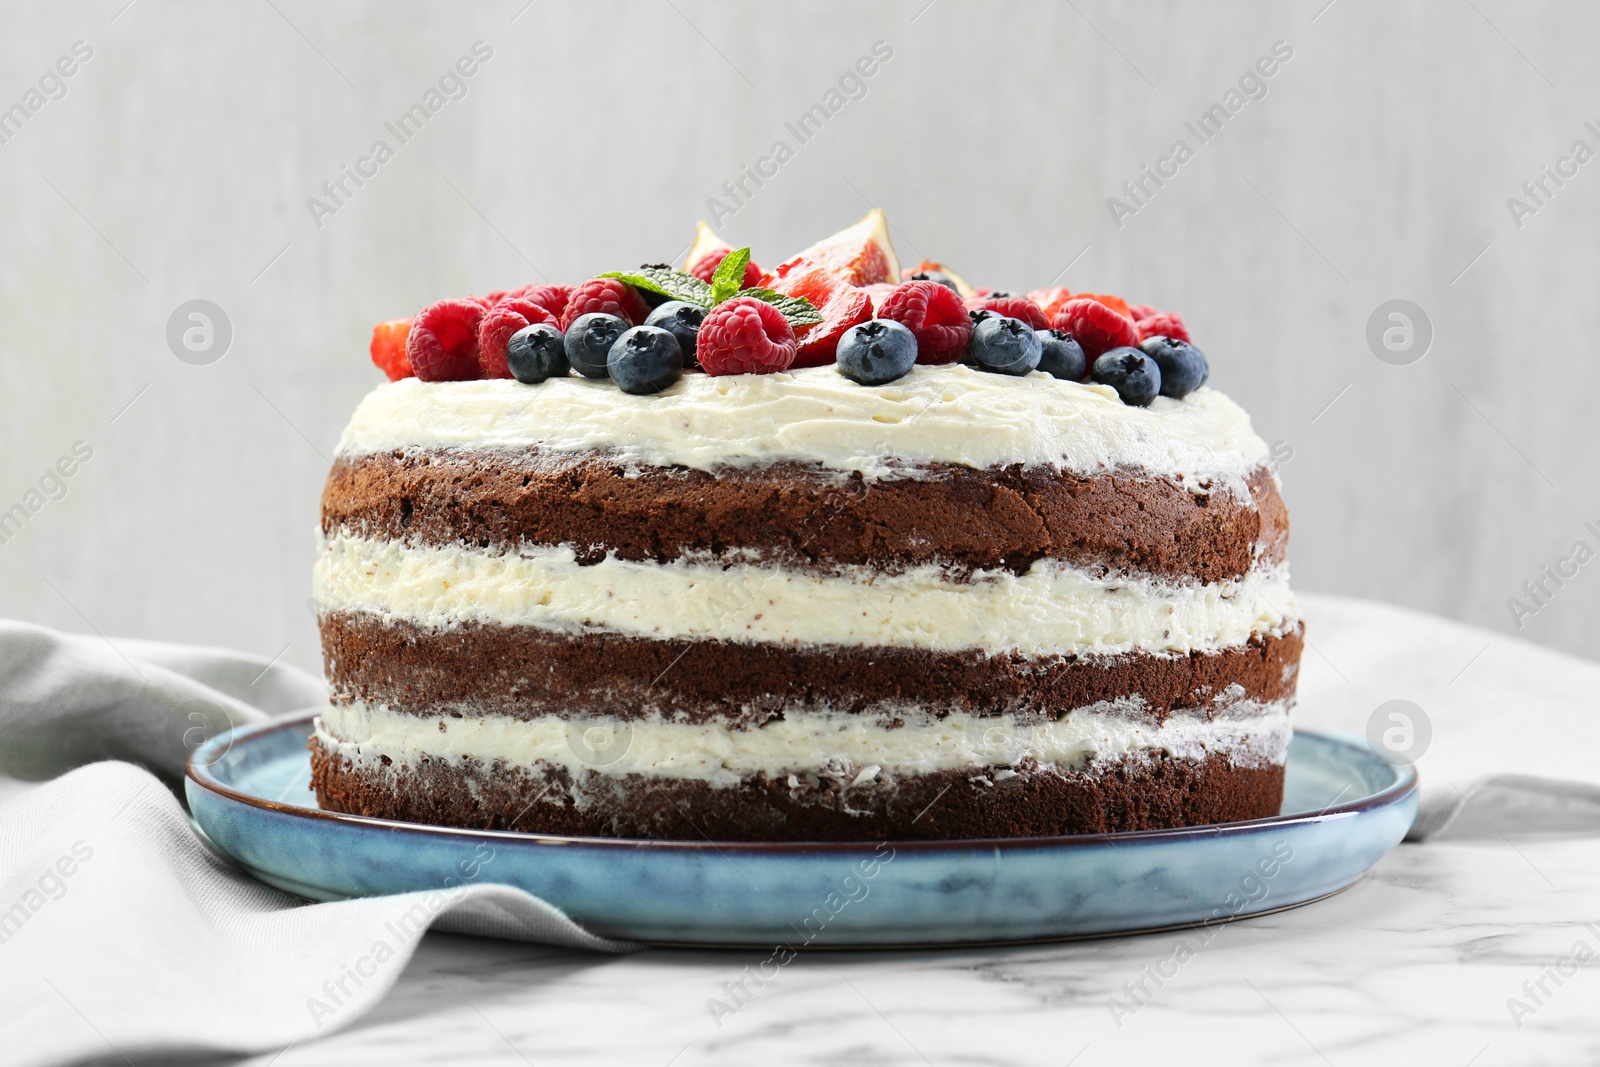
947, 414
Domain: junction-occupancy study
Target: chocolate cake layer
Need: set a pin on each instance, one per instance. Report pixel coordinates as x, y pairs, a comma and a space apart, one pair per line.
526, 672
806, 516
1138, 795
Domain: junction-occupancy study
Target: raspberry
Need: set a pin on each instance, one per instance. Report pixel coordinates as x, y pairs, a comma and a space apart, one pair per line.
1016, 307
706, 266
1115, 303
745, 336
934, 315
388, 348
1094, 326
1140, 311
553, 298
443, 345
1163, 324
606, 295
498, 324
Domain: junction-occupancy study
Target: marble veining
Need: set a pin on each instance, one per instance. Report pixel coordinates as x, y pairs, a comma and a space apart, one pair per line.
1414, 964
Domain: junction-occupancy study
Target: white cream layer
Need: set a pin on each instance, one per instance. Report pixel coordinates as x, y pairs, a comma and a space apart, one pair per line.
853, 747
949, 414
1053, 608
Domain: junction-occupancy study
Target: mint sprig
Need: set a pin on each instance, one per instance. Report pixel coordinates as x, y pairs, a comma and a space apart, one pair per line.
673, 284
725, 285
729, 276
797, 309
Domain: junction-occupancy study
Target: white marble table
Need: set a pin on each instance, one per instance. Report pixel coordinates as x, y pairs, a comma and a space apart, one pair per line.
1415, 964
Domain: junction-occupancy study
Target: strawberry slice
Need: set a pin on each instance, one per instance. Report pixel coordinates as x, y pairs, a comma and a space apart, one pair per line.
388, 348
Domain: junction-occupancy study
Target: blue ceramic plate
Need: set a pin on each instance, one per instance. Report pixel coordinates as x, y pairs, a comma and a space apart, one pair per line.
1343, 810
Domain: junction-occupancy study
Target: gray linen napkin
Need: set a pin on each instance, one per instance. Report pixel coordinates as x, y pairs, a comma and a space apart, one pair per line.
121, 933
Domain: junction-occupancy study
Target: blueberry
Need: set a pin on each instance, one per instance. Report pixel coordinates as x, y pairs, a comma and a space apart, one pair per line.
938, 277
877, 352
589, 340
1062, 356
1005, 345
645, 359
682, 321
1000, 294
1183, 366
537, 352
1134, 375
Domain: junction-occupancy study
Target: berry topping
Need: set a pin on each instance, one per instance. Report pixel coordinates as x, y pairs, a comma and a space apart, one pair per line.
878, 292
1115, 303
589, 340
645, 359
1062, 356
388, 348
537, 352
819, 344
1095, 326
877, 352
511, 314
935, 315
606, 296
1005, 345
1183, 366
1134, 375
443, 345
1016, 307
746, 336
553, 298
682, 321
929, 271
937, 277
706, 266
842, 306
1162, 324
860, 254
1050, 300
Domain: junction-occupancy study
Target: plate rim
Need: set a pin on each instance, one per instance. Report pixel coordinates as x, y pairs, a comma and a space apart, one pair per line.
197, 769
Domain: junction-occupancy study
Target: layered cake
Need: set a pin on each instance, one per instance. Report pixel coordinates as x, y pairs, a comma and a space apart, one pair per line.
975, 565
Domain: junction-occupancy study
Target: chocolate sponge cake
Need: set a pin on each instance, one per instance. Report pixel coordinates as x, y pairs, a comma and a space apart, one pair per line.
790, 606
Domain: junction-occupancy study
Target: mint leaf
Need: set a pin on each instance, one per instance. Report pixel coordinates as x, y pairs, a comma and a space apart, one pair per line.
729, 276
674, 284
797, 309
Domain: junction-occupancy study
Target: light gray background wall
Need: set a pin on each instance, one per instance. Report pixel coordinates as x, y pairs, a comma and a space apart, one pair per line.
180, 159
